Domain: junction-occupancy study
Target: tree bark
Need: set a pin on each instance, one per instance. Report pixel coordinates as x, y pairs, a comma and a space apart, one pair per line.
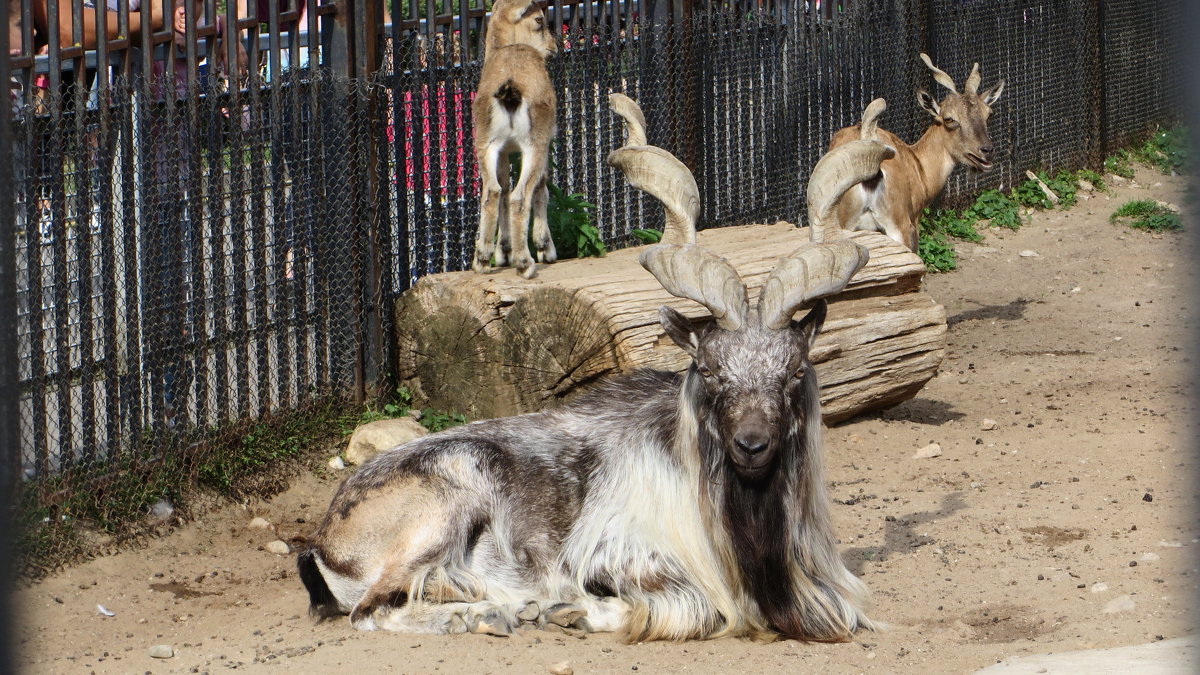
496, 344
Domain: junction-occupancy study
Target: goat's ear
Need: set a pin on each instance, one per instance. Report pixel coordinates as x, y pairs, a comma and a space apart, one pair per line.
991, 95
810, 325
929, 103
679, 328
518, 10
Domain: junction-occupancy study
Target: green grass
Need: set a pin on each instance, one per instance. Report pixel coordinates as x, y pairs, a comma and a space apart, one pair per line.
647, 236
1165, 150
1146, 214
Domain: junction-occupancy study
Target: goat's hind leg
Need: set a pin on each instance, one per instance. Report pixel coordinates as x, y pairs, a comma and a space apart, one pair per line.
493, 208
533, 165
546, 253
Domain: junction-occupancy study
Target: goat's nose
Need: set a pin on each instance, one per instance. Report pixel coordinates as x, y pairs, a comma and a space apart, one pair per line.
751, 442
986, 150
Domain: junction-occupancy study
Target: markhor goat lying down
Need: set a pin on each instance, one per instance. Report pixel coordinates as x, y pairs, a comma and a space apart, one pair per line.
663, 506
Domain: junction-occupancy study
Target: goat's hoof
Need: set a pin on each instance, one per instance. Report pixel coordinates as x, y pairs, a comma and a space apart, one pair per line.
547, 254
490, 622
566, 615
456, 625
530, 612
526, 267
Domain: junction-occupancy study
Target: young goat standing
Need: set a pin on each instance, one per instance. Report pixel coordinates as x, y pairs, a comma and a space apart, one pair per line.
514, 111
892, 202
664, 506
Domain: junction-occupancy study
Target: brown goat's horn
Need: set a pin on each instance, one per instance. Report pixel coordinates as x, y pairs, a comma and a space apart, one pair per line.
693, 272
812, 271
971, 86
939, 75
841, 169
656, 172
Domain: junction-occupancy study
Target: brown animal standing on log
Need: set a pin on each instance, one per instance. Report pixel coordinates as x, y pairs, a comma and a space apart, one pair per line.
892, 202
514, 111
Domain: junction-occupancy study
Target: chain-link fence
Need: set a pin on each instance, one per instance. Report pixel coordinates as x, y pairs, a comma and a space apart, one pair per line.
205, 265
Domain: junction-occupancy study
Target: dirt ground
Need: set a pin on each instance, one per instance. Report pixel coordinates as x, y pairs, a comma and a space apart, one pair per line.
1071, 524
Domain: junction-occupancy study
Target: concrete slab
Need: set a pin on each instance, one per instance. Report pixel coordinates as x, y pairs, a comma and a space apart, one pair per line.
1167, 657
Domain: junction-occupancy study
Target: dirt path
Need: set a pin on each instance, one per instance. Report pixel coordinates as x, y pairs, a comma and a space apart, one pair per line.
1069, 525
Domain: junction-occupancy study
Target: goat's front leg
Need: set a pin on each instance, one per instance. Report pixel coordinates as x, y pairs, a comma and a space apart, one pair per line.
546, 252
492, 206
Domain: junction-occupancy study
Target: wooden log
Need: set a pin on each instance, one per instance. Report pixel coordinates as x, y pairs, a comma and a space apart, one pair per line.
497, 344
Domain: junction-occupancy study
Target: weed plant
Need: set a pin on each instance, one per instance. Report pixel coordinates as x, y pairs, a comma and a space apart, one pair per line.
1146, 214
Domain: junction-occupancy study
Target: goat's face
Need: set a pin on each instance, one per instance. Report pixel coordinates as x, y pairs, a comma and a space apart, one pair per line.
964, 117
753, 379
521, 22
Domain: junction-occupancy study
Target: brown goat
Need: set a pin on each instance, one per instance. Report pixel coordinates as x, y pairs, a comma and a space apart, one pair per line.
892, 203
514, 111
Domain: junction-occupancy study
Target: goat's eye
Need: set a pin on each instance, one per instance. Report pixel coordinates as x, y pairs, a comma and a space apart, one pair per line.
950, 123
705, 372
541, 21
799, 374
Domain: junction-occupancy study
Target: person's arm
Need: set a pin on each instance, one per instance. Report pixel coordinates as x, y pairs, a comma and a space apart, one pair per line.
91, 23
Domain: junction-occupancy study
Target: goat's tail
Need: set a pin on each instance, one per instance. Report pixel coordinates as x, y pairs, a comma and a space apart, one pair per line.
509, 96
321, 602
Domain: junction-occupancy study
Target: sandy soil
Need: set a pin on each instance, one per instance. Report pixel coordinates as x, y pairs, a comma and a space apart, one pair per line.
1069, 525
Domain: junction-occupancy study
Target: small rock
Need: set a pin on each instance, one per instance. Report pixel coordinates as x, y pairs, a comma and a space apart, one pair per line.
1170, 544
374, 437
278, 547
105, 611
1147, 497
414, 413
981, 251
1122, 603
562, 668
1149, 556
1167, 205
336, 463
963, 380
987, 424
1076, 289
1099, 587
1028, 253
931, 450
1086, 185
854, 438
161, 652
260, 523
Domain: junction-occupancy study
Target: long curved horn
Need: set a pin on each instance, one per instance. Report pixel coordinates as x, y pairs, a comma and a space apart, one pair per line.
812, 271
839, 170
635, 121
656, 172
939, 75
971, 86
693, 272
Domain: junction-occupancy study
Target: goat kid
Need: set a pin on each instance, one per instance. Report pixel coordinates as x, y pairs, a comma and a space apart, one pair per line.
892, 202
514, 111
659, 505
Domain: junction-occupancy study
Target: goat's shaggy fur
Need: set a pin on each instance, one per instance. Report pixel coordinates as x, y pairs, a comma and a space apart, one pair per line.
659, 505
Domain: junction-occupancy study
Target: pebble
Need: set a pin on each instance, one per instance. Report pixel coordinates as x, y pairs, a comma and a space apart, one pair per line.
161, 652
931, 450
260, 523
105, 611
336, 463
1099, 587
988, 424
1122, 603
1149, 556
1029, 253
1147, 497
414, 413
562, 668
278, 547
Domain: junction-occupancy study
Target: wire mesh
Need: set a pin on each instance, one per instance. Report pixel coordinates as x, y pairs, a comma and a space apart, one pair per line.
193, 260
